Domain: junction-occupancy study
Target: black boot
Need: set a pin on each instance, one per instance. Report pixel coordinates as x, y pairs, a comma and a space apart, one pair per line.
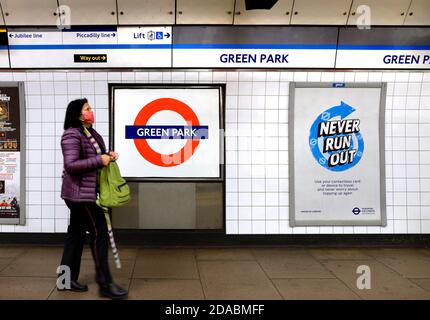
76, 287
113, 291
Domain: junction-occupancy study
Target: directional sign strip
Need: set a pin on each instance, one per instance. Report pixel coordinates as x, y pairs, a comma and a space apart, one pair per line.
115, 47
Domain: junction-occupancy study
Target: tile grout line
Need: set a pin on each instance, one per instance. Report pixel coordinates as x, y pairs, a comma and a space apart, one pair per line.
198, 272
236, 124
52, 291
393, 83
336, 277
18, 256
419, 154
419, 286
279, 157
166, 278
13, 260
404, 277
132, 270
6, 265
406, 158
267, 276
265, 143
391, 268
38, 277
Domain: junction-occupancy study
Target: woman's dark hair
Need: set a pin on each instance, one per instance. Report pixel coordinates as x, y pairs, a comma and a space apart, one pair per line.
73, 113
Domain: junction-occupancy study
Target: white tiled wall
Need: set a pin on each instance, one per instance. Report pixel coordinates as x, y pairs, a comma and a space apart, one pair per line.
256, 166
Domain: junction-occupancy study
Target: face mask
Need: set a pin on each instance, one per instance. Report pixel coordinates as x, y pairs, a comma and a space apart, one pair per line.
88, 116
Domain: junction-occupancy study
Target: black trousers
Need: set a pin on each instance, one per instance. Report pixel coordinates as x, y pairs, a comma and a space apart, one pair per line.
89, 217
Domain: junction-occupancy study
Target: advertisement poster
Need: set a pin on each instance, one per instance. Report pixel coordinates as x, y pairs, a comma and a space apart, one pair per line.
11, 207
167, 132
337, 174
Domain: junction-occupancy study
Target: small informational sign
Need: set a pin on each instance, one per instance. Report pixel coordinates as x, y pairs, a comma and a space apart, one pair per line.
12, 192
337, 170
91, 58
167, 132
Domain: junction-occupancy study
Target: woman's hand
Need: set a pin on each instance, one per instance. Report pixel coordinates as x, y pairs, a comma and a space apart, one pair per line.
106, 159
114, 155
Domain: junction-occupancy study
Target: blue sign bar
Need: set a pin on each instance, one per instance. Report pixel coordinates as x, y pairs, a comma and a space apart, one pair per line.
167, 132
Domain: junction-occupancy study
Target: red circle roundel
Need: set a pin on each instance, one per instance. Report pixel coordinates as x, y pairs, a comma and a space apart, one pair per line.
156, 158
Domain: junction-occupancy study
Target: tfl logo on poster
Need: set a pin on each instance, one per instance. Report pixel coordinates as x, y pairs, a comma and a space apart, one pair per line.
335, 141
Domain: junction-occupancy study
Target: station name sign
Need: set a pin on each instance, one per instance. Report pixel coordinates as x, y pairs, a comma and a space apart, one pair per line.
211, 47
383, 57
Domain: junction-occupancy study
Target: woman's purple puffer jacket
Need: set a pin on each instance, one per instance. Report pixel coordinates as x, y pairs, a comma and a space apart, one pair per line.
81, 163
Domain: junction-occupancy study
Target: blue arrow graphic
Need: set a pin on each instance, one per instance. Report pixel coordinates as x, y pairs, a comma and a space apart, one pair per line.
343, 110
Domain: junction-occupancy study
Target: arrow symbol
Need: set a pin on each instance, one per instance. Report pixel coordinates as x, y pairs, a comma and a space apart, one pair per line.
167, 35
11, 35
345, 110
113, 35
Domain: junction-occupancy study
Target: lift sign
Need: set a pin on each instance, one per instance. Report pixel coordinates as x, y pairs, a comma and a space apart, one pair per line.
140, 132
336, 144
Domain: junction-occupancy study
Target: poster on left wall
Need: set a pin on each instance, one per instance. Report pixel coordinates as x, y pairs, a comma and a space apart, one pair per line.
12, 124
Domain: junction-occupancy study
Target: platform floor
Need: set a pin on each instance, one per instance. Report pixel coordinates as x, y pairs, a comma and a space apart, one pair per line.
227, 273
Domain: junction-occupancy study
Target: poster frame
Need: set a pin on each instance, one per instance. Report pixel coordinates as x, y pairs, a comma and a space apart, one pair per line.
382, 222
21, 220
221, 118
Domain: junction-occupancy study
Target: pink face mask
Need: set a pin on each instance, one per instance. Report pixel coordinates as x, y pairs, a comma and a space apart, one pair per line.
88, 116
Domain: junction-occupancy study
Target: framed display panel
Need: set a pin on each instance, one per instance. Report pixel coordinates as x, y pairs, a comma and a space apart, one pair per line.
168, 131
12, 153
336, 159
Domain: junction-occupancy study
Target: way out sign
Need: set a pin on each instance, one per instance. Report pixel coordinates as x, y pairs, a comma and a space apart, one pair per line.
168, 131
337, 174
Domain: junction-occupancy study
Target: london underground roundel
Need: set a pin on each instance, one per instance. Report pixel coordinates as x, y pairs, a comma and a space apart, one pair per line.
140, 132
167, 132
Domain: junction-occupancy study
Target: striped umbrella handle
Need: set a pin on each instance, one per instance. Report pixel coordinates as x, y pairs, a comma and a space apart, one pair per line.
112, 241
114, 250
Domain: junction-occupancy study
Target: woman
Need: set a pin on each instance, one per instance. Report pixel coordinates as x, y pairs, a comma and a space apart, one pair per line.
84, 154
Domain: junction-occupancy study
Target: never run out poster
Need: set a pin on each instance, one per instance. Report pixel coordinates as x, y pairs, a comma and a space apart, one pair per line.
337, 173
